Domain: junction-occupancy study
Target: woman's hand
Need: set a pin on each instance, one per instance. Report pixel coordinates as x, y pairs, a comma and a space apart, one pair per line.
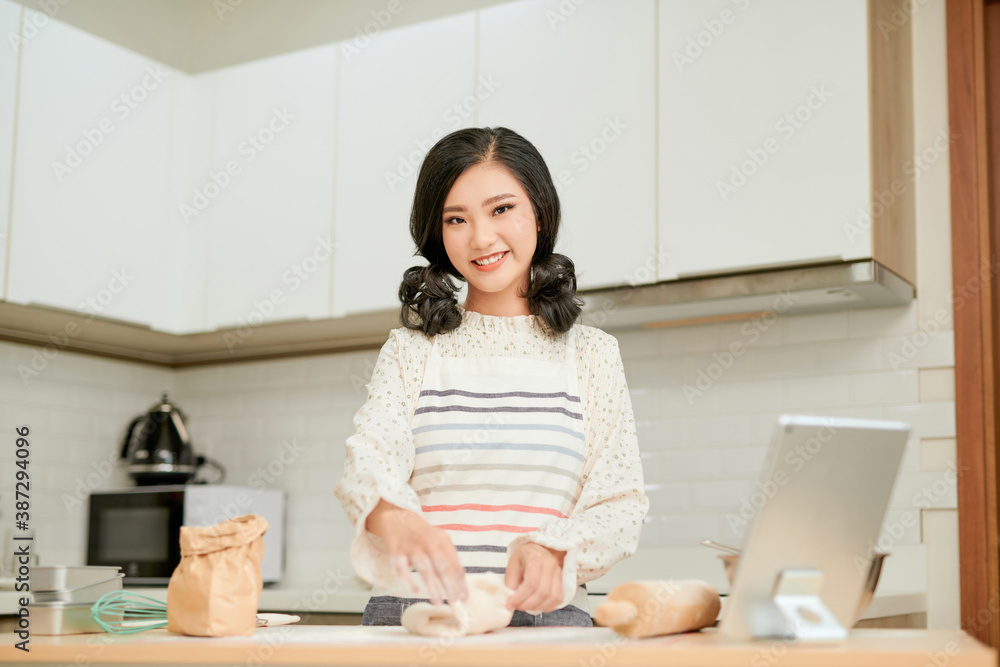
412, 542
534, 573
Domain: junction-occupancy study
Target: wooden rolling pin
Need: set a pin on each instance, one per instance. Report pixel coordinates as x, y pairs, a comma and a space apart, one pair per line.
650, 608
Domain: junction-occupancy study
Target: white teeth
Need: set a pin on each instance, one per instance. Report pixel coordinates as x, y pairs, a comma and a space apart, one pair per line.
489, 260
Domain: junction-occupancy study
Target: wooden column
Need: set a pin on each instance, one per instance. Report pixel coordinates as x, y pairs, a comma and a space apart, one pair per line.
974, 282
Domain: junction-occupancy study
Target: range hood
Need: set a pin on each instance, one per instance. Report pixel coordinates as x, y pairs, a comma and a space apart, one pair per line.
859, 284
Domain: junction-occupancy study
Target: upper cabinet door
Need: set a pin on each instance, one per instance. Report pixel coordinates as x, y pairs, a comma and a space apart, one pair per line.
10, 24
266, 200
578, 81
400, 91
763, 133
89, 196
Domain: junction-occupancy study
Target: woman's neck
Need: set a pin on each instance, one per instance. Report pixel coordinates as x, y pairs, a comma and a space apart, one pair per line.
498, 305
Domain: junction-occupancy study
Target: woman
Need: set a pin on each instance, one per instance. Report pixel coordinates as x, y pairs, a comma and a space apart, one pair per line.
497, 435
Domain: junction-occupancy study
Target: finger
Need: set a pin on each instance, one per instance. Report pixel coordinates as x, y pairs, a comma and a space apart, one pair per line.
457, 573
402, 564
449, 577
447, 566
538, 574
526, 589
431, 580
513, 579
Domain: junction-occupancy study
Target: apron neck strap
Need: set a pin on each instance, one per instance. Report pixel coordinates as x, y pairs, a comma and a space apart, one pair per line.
571, 344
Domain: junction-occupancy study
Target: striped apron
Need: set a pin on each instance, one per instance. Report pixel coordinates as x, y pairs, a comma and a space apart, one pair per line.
499, 450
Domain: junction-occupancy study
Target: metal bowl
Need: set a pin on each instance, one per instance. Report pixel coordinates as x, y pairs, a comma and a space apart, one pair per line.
730, 561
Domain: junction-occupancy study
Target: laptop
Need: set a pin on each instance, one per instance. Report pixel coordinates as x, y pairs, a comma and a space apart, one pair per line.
816, 511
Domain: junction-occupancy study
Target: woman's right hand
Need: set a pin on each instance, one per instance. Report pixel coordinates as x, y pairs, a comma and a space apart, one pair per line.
412, 542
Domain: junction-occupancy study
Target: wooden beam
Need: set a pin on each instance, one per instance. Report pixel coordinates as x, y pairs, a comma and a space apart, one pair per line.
974, 279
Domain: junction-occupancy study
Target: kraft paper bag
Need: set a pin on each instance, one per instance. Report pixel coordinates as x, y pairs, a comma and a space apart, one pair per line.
215, 589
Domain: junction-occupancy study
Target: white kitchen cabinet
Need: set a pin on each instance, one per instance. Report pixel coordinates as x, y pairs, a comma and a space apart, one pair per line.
578, 81
191, 155
763, 133
266, 200
10, 24
89, 200
399, 93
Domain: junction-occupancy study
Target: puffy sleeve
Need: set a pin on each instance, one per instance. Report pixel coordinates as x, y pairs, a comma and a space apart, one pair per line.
379, 463
604, 525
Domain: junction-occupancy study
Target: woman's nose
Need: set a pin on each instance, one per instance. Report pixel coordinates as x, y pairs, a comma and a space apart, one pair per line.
483, 235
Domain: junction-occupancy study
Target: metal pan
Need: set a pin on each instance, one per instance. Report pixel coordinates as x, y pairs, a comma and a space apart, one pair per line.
57, 618
64, 577
82, 595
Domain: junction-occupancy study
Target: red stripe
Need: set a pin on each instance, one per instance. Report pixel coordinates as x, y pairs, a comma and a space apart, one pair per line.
477, 529
492, 508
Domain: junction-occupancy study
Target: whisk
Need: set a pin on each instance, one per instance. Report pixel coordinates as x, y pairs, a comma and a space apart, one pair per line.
123, 612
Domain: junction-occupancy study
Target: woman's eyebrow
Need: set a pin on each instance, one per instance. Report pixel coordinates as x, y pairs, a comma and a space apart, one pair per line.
486, 202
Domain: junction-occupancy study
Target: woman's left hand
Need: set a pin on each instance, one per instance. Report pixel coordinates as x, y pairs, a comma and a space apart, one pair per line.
534, 573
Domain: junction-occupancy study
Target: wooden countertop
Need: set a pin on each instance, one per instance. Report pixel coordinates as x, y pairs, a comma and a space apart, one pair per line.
525, 647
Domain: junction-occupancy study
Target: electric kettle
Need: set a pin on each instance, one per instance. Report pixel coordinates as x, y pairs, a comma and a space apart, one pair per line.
157, 447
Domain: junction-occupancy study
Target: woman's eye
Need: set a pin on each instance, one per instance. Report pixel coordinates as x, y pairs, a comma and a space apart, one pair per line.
503, 208
449, 221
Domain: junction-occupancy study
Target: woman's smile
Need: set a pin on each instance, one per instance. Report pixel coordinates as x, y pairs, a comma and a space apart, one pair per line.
491, 262
490, 234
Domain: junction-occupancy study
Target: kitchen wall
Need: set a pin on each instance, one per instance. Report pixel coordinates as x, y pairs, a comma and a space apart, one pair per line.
77, 408
283, 423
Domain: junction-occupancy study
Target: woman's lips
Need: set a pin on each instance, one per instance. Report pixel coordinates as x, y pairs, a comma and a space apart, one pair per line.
495, 265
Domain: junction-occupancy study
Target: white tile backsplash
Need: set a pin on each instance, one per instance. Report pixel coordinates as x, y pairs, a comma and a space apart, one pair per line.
884, 387
704, 419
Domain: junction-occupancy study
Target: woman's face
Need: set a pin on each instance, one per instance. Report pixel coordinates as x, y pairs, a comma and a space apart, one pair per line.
490, 233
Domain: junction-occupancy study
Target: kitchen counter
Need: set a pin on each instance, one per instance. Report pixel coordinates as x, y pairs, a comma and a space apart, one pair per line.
352, 600
526, 647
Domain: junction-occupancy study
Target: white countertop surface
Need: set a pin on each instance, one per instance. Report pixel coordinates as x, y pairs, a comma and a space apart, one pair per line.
352, 600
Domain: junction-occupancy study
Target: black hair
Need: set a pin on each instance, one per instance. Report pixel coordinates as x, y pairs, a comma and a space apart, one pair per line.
428, 292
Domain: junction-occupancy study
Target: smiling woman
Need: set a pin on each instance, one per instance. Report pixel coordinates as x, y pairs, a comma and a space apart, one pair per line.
498, 436
482, 192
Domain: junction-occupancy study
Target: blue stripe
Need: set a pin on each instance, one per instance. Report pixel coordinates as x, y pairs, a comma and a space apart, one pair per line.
501, 445
500, 427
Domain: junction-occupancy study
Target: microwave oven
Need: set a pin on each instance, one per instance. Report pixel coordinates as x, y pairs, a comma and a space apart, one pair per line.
138, 529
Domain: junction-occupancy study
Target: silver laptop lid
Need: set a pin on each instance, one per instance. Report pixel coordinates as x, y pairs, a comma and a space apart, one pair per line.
819, 506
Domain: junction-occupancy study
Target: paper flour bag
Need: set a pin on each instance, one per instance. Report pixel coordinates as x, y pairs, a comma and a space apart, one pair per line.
215, 589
